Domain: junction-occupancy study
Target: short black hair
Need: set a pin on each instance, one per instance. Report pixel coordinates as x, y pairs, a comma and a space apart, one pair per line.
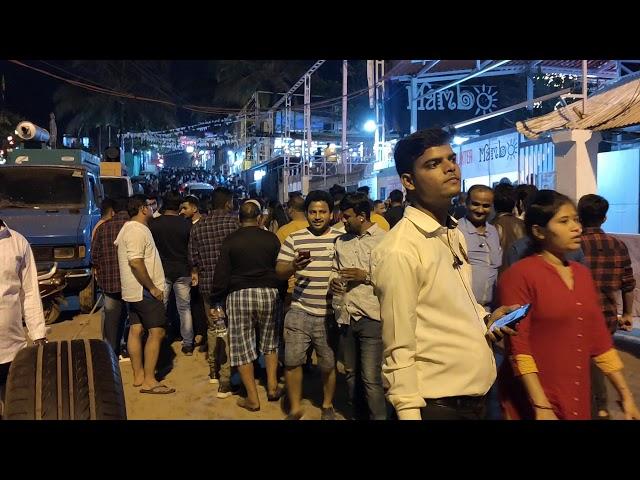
504, 198
295, 194
296, 203
249, 211
337, 192
525, 193
107, 204
193, 200
592, 210
171, 201
396, 196
359, 202
413, 146
473, 188
121, 204
221, 196
136, 202
364, 189
318, 196
377, 202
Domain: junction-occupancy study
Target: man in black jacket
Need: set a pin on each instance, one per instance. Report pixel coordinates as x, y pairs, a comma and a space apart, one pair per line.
245, 275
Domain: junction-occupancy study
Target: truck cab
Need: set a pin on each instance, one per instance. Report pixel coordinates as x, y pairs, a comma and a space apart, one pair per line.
115, 186
52, 197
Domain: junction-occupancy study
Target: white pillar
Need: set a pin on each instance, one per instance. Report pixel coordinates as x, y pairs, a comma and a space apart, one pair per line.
576, 157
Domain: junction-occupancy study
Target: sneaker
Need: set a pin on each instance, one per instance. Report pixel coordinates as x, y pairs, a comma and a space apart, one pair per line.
328, 414
214, 378
188, 351
224, 391
124, 358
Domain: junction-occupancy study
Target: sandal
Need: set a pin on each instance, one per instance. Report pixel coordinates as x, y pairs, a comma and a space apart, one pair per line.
158, 390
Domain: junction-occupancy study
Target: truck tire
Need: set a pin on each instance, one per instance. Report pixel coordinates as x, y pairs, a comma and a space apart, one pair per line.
68, 380
87, 297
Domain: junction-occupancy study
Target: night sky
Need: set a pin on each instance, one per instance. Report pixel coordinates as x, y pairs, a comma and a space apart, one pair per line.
28, 93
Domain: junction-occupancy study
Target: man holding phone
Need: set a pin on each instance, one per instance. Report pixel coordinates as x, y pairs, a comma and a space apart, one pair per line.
308, 254
437, 361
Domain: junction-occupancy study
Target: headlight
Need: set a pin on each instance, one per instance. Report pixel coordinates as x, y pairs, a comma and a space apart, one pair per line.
64, 252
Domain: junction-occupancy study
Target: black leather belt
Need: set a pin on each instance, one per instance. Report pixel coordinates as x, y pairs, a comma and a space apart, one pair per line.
461, 402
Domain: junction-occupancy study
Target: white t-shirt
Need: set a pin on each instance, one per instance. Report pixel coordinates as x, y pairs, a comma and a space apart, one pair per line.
135, 241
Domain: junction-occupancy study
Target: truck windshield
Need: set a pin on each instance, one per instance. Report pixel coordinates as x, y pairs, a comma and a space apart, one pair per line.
28, 187
115, 187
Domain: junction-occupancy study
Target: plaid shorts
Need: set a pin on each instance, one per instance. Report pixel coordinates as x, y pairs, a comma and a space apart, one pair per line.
246, 310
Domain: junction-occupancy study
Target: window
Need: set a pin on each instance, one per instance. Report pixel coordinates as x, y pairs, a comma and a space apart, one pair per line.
95, 192
28, 187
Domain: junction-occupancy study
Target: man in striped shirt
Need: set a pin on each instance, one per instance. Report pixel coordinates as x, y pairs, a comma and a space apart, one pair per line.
308, 254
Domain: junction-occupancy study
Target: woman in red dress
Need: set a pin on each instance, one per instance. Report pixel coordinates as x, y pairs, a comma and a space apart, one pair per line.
548, 374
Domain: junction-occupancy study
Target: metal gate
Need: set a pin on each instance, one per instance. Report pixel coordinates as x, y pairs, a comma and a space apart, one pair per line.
536, 163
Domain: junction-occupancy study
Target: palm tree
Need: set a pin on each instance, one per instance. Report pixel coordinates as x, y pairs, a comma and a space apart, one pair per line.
83, 110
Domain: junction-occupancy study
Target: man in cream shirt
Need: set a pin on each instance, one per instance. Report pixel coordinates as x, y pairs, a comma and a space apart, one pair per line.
437, 362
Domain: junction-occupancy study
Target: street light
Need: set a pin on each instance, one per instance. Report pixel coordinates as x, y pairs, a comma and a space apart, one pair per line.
190, 149
459, 140
370, 126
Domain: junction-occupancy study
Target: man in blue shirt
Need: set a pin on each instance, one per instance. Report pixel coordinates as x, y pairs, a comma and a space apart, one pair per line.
483, 244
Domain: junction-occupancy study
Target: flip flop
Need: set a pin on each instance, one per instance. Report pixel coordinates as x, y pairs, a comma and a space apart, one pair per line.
158, 390
139, 385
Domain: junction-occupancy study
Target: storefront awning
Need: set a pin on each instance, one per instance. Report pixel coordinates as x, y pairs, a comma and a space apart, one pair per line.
616, 106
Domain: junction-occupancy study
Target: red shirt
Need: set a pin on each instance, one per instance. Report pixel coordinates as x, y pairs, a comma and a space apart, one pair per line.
563, 330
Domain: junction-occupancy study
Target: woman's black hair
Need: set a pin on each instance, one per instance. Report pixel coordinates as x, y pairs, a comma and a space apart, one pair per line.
543, 207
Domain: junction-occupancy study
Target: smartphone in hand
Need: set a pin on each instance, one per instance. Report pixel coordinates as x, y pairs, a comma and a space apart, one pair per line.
511, 319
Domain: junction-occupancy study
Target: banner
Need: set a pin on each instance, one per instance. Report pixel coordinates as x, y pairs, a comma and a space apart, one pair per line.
490, 156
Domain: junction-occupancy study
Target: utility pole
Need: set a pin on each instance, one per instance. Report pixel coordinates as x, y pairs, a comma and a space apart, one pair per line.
345, 154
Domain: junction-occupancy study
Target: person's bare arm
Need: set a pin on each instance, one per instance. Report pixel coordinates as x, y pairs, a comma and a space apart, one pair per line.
284, 270
139, 270
626, 322
539, 400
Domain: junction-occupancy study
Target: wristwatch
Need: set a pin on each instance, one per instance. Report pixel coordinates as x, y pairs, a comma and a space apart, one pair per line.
367, 279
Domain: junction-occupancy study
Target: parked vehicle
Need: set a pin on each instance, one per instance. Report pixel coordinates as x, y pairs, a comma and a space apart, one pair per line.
53, 197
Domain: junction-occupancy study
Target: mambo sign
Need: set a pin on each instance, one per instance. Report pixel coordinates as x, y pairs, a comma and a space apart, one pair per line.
495, 151
489, 156
484, 98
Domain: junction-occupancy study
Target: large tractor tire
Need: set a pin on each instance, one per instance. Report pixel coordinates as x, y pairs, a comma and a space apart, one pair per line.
68, 380
87, 297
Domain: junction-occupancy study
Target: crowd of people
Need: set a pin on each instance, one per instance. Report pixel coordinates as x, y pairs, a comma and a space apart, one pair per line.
402, 293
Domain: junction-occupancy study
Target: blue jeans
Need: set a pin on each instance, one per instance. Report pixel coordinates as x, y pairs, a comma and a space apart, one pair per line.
361, 349
114, 318
182, 288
